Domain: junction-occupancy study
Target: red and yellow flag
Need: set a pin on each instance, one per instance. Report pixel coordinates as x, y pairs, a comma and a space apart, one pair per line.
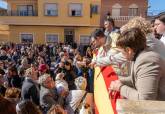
105, 102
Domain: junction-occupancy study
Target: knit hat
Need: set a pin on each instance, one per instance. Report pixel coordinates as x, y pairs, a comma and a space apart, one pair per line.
42, 67
81, 83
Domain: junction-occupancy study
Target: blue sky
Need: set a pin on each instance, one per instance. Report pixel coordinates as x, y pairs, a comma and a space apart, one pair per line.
3, 4
156, 6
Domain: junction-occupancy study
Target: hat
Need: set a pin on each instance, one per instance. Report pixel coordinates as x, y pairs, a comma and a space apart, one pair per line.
80, 83
42, 67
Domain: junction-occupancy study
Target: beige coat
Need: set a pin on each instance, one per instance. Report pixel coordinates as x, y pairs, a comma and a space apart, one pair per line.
147, 80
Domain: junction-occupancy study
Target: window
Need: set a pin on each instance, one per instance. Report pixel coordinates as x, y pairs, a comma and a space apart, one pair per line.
27, 38
116, 10
51, 38
75, 9
25, 10
51, 9
84, 40
94, 9
133, 10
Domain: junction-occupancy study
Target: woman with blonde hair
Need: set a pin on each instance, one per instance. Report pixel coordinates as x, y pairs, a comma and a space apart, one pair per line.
12, 93
146, 27
140, 23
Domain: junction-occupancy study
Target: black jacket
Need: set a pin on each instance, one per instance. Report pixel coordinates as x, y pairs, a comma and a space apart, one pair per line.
30, 91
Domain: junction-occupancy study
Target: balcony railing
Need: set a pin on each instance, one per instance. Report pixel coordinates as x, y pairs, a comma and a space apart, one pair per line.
20, 13
122, 18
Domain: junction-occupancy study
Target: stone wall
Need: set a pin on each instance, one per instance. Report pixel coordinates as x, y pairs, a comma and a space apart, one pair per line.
140, 107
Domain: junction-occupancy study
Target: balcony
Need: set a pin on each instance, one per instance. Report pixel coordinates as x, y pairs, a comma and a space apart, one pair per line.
121, 20
20, 13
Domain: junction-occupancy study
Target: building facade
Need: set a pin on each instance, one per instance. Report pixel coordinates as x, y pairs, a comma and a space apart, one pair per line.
67, 21
49, 21
4, 29
123, 10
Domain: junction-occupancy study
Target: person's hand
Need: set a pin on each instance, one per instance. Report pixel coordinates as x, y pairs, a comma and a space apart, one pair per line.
60, 110
115, 85
105, 48
6, 84
92, 65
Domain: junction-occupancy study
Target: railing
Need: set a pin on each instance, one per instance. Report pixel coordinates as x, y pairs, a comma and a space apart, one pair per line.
122, 18
20, 13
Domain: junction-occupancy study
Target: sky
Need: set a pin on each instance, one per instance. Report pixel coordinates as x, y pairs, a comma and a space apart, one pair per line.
3, 4
156, 6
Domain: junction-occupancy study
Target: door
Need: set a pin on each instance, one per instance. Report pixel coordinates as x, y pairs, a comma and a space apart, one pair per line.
69, 36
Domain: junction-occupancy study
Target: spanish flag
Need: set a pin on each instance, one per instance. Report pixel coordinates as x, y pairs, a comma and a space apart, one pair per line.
105, 101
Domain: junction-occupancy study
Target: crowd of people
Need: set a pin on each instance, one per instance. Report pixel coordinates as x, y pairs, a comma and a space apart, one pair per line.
45, 76
58, 78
